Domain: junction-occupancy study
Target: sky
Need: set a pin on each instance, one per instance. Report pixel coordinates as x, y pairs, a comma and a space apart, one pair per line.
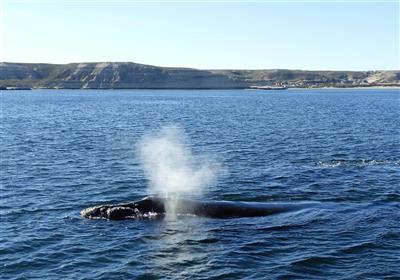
204, 34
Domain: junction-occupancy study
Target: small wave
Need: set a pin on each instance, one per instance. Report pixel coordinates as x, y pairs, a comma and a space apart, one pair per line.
284, 227
71, 218
200, 241
32, 210
314, 260
392, 197
357, 248
391, 235
357, 162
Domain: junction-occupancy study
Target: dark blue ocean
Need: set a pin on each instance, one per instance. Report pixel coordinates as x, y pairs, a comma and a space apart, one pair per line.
64, 150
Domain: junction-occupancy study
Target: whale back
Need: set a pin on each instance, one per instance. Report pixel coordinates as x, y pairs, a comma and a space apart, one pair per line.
233, 209
151, 207
150, 204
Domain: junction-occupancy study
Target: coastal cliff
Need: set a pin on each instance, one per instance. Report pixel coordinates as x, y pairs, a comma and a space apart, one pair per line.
129, 75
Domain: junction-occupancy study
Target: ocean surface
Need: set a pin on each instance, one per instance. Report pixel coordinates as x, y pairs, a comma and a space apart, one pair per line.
64, 150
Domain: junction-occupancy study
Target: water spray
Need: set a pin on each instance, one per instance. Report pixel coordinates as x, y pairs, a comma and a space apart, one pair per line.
171, 167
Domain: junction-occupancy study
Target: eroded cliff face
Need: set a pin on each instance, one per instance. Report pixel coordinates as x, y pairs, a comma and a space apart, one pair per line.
109, 75
119, 75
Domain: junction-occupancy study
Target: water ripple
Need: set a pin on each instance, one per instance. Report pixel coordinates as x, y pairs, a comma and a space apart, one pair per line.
62, 151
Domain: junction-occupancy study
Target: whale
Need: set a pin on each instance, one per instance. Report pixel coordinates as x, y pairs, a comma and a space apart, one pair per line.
156, 207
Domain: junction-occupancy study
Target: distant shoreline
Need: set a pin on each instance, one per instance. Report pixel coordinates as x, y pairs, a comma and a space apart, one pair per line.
129, 75
206, 89
371, 87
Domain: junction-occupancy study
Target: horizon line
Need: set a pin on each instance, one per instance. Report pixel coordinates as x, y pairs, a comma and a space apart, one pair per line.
195, 1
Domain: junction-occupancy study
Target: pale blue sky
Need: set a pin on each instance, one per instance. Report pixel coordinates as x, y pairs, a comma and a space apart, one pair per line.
311, 35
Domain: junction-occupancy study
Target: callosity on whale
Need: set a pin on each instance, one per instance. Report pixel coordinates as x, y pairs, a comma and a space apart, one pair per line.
153, 207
